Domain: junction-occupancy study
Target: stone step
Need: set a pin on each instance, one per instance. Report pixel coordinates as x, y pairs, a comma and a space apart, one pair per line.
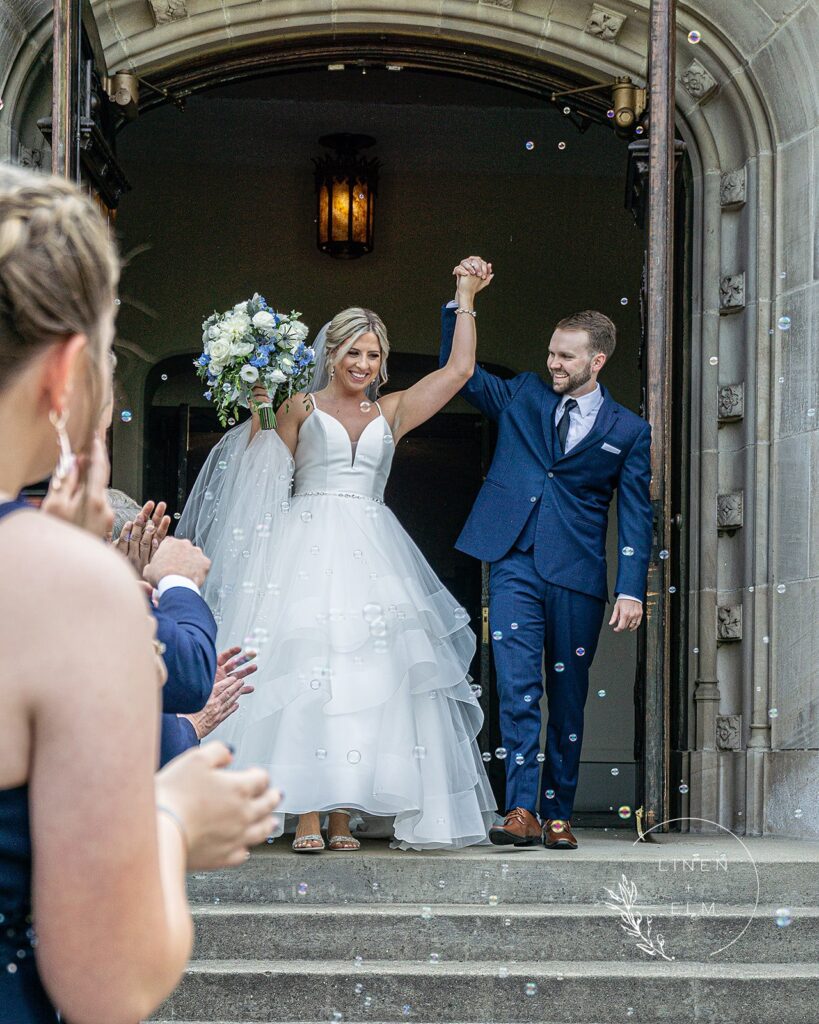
551, 931
716, 869
476, 992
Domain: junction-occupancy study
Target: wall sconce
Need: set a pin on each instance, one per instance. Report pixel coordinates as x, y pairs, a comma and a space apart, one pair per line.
346, 185
628, 103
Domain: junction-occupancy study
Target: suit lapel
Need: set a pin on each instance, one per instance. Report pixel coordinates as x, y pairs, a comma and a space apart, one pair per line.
547, 413
606, 417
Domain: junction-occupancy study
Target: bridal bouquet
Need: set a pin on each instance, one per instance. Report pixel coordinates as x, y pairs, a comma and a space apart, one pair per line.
253, 344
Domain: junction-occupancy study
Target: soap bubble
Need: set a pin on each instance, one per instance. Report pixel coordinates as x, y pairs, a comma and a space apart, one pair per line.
419, 752
783, 917
460, 613
561, 145
306, 516
359, 961
285, 506
713, 360
519, 759
559, 666
615, 772
528, 698
530, 988
365, 406
530, 145
610, 114
540, 758
694, 36
628, 552
665, 554
434, 958
683, 788
500, 753
372, 612
315, 684
766, 639
672, 590
624, 300
302, 889
486, 756
798, 812
601, 693
231, 421
426, 913
493, 901
784, 323
503, 972
126, 415
514, 625
781, 588
572, 737
580, 652
353, 756
567, 110
497, 635
624, 812
164, 376
550, 794
321, 754
773, 713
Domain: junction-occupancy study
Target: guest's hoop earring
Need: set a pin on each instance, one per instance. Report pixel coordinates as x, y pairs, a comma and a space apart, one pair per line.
66, 459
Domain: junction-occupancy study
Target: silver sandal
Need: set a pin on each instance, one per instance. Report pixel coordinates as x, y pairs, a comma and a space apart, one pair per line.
343, 843
311, 837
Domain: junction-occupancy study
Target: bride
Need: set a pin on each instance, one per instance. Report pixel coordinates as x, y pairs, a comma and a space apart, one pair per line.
363, 700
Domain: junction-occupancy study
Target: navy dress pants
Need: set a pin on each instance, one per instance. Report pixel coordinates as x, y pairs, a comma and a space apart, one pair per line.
529, 619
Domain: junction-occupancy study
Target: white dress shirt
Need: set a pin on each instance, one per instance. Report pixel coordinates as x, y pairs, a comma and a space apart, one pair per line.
581, 419
172, 580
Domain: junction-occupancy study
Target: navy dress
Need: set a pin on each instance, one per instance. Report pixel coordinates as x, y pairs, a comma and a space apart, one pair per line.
23, 999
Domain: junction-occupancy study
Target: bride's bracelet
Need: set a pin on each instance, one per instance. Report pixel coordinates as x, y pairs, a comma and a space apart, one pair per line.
470, 312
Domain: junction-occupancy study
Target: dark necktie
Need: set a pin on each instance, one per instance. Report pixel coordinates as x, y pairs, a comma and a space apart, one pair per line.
563, 425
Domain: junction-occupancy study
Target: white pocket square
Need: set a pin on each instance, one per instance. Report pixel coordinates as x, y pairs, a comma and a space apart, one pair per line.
610, 448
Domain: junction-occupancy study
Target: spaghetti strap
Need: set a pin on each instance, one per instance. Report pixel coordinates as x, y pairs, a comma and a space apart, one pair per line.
380, 410
312, 398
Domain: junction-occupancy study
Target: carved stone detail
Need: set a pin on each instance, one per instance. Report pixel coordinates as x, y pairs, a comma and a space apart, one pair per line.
507, 5
32, 158
732, 293
166, 11
729, 511
698, 81
729, 732
731, 403
732, 188
604, 24
729, 623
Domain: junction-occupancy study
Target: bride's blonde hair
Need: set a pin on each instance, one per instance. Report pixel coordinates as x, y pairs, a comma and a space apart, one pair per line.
346, 328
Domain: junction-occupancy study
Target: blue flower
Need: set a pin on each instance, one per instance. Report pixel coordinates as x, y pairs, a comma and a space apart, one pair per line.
208, 395
204, 359
259, 361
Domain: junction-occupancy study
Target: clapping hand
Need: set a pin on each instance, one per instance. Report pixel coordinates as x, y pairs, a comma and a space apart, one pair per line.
140, 539
232, 666
79, 497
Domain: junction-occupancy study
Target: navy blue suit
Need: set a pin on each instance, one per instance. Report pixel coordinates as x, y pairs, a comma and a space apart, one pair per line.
540, 519
187, 628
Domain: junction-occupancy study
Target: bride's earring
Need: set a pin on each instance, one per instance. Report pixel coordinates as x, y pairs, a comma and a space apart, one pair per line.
66, 459
332, 372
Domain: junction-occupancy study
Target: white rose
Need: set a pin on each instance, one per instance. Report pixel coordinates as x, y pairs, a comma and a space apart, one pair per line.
219, 350
249, 373
265, 321
276, 377
286, 362
213, 332
241, 348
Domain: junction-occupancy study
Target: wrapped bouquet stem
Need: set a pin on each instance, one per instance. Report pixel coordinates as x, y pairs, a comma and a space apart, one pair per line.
253, 346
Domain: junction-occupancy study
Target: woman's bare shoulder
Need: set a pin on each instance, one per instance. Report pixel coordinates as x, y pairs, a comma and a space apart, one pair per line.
296, 408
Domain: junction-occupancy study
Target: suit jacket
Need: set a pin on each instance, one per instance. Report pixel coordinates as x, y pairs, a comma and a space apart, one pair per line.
569, 493
178, 735
187, 628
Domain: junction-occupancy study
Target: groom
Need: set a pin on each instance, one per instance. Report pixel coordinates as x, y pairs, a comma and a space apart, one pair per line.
540, 521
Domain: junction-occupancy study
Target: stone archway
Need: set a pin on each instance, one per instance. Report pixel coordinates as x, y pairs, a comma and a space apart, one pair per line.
747, 107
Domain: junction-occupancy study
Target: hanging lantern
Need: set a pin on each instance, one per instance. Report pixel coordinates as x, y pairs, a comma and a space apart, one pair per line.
346, 183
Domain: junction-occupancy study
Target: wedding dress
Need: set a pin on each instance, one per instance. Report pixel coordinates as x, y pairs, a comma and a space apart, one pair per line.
363, 698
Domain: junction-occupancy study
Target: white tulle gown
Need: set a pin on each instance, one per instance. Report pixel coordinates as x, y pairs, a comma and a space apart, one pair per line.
363, 698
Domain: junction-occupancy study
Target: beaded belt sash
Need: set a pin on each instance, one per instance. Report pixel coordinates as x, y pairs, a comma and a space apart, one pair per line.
339, 494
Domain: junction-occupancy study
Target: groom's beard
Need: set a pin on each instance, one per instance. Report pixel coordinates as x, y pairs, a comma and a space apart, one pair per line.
573, 381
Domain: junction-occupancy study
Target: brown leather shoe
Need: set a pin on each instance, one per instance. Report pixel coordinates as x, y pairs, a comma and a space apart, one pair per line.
520, 828
557, 835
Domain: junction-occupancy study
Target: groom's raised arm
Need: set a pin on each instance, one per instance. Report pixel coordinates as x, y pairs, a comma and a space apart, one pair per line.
484, 390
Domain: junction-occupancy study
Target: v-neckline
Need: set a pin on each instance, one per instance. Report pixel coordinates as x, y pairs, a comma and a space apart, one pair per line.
353, 444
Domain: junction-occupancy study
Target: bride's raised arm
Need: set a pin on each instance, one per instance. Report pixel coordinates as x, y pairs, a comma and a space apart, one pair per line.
408, 409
